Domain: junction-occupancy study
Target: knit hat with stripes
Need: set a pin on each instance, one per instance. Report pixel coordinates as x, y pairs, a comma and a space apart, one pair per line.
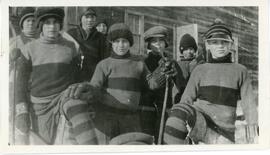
218, 30
120, 30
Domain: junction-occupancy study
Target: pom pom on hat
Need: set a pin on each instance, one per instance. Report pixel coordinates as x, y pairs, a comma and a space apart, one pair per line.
187, 41
25, 13
120, 30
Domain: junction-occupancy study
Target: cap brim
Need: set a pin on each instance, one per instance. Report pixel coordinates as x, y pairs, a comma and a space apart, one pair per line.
210, 39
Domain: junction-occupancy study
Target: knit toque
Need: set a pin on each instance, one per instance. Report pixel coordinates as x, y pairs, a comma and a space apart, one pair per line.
120, 30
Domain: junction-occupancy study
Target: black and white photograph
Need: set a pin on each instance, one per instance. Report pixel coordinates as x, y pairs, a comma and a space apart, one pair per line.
160, 75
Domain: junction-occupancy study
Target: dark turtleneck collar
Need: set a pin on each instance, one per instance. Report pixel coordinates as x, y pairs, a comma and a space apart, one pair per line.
225, 59
116, 56
86, 35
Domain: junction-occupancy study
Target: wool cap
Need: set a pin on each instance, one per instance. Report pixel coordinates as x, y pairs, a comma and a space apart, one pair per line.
25, 13
89, 11
156, 31
187, 41
218, 30
120, 30
45, 12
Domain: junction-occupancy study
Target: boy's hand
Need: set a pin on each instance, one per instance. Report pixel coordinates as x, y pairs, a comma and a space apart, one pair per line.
22, 124
76, 90
252, 134
168, 67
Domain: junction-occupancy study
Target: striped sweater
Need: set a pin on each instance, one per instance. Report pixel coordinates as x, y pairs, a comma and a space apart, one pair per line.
215, 88
123, 79
50, 64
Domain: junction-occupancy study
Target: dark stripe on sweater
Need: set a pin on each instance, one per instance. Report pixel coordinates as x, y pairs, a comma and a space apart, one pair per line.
219, 95
75, 110
83, 127
175, 133
122, 83
50, 79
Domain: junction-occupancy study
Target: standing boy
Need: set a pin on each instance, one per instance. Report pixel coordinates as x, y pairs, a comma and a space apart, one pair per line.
117, 84
52, 63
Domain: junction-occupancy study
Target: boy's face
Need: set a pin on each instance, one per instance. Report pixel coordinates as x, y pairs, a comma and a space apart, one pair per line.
29, 25
102, 28
189, 53
121, 46
88, 21
157, 44
219, 48
51, 27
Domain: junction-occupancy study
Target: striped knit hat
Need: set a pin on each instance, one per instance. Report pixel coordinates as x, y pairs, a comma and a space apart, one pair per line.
218, 30
25, 13
120, 30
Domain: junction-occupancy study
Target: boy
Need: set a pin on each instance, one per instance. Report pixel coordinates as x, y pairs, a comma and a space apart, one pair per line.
52, 63
156, 40
208, 104
117, 84
188, 48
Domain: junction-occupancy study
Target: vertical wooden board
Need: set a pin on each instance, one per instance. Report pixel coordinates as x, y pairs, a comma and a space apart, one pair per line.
191, 29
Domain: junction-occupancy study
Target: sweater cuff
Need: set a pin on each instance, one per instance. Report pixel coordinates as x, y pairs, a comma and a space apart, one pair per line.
21, 108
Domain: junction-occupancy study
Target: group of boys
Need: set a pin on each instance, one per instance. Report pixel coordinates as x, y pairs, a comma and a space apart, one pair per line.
123, 93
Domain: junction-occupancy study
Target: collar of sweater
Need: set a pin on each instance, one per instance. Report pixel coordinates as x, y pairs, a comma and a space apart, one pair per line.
116, 56
50, 40
225, 59
86, 35
26, 38
31, 35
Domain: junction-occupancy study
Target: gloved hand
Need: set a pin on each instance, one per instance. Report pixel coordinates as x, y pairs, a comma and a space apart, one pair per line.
168, 67
22, 124
83, 91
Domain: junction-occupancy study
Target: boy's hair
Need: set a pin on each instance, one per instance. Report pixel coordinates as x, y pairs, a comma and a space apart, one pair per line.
120, 30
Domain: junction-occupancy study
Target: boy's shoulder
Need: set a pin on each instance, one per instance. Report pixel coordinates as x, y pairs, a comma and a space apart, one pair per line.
137, 57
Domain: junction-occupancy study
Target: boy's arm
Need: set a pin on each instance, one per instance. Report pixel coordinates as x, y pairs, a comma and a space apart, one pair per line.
190, 93
22, 119
249, 105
